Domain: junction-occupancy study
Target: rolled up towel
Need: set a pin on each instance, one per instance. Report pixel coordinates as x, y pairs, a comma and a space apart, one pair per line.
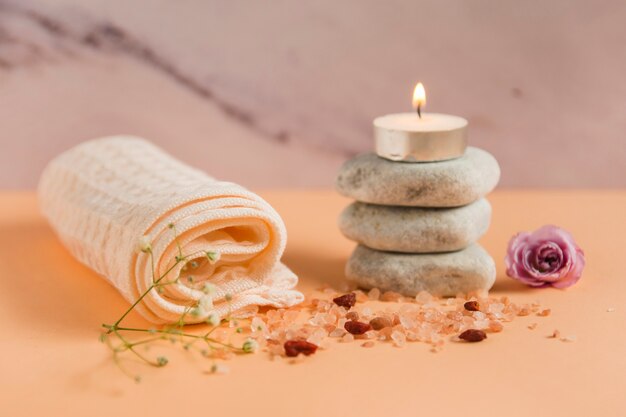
104, 196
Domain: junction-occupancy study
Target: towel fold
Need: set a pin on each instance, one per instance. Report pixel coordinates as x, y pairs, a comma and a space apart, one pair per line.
104, 196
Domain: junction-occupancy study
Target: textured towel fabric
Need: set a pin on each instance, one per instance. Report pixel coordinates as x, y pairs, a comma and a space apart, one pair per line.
103, 196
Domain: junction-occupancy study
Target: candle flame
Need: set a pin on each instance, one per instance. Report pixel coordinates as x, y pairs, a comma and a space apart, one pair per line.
419, 96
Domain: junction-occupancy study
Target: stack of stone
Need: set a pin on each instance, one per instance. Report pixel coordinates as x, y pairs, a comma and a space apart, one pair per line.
417, 223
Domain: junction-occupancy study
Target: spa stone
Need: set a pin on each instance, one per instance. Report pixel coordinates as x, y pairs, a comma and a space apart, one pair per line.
415, 230
442, 274
371, 179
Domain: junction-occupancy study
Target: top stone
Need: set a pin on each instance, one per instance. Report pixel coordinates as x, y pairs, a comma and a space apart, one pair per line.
456, 182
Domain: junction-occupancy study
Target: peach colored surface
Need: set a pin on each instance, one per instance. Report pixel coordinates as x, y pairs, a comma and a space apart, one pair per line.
51, 307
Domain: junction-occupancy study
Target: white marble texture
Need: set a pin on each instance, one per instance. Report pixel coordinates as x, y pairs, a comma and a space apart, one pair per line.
280, 93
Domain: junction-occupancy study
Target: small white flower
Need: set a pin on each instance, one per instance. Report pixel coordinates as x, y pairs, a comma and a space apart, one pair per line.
209, 288
213, 319
206, 302
250, 346
197, 311
213, 257
143, 245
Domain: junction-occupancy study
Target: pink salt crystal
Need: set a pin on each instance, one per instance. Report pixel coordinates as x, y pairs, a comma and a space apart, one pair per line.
373, 294
385, 333
370, 335
347, 338
481, 324
479, 315
324, 344
328, 290
368, 344
390, 296
366, 312
524, 311
406, 321
532, 326
258, 325
399, 338
555, 334
319, 319
423, 297
352, 315
329, 327
361, 297
495, 326
316, 337
495, 308
544, 313
291, 315
338, 332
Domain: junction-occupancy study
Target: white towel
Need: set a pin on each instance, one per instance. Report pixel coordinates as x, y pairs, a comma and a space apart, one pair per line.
102, 196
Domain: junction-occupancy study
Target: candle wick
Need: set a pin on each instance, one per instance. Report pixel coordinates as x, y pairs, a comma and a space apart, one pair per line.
419, 110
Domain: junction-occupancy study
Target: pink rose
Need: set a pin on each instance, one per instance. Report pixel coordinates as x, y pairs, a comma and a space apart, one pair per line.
546, 257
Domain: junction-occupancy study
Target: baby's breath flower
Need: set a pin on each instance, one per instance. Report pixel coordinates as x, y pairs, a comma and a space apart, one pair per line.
162, 361
208, 288
197, 311
213, 319
206, 302
213, 257
250, 346
143, 245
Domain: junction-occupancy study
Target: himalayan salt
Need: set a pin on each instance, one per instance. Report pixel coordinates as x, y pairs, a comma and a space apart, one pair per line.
368, 344
411, 336
479, 315
316, 337
555, 334
258, 325
532, 326
338, 332
381, 322
352, 315
361, 297
495, 326
366, 312
347, 338
423, 297
406, 321
544, 313
373, 294
399, 338
481, 324
524, 311
391, 296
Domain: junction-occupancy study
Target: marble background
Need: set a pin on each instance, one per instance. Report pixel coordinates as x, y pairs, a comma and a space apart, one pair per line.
279, 93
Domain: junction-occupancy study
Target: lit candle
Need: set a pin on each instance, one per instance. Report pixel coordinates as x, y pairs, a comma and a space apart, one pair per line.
420, 137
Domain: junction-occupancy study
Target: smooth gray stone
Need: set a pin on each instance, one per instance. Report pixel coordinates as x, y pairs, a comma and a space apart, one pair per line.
442, 274
415, 230
457, 182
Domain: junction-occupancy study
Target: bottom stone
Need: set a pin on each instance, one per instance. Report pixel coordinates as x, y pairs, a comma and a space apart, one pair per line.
441, 274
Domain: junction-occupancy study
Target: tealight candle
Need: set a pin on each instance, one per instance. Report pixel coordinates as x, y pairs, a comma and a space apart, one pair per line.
420, 137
